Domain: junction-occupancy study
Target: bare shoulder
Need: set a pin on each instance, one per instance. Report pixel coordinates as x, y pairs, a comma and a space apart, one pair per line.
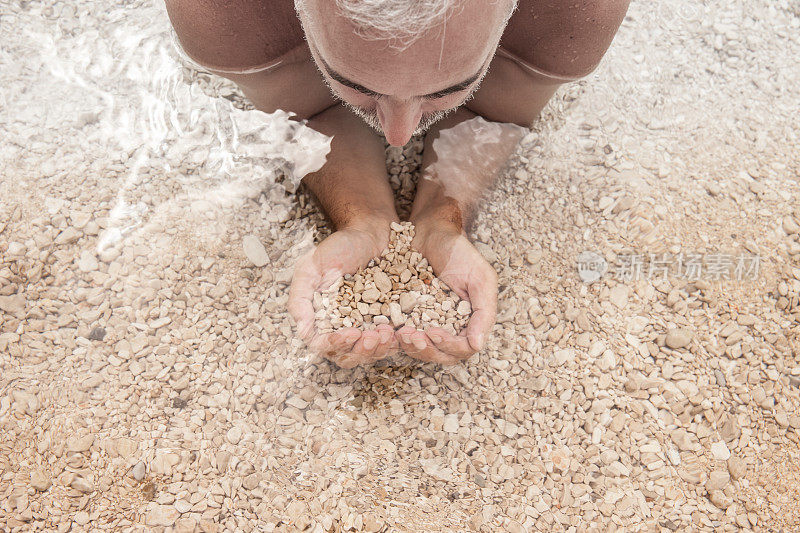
235, 34
563, 37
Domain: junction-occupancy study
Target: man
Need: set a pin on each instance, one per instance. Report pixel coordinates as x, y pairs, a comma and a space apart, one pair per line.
399, 65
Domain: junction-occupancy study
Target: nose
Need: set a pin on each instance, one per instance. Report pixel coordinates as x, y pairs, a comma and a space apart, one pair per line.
399, 119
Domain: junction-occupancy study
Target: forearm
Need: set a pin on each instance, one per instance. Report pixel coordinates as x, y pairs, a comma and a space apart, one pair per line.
352, 187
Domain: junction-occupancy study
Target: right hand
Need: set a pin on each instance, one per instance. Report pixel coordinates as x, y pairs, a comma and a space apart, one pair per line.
342, 253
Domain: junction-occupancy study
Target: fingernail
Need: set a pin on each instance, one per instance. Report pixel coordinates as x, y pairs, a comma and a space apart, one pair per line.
481, 339
352, 337
370, 343
406, 338
385, 336
435, 338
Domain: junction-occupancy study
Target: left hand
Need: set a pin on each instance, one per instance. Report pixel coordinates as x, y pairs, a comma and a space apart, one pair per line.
459, 264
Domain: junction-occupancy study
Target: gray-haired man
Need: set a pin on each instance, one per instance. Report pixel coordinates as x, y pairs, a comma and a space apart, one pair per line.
399, 66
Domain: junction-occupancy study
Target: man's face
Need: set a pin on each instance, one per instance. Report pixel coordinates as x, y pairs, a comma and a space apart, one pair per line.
403, 92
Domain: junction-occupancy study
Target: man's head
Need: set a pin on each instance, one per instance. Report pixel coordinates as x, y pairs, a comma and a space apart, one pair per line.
403, 64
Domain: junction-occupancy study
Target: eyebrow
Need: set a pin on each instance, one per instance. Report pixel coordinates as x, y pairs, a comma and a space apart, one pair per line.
458, 87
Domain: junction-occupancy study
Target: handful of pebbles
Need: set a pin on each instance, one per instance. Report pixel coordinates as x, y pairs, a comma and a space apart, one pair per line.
397, 288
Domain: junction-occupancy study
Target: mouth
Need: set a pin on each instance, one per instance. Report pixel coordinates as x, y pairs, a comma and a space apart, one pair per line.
370, 117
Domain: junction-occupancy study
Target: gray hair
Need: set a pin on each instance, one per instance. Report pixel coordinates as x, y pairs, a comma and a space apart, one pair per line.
402, 22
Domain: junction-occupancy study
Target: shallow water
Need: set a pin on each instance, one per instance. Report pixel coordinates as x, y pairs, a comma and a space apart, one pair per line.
105, 87
150, 324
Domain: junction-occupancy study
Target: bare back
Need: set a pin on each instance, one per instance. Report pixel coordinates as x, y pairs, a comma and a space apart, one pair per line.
560, 37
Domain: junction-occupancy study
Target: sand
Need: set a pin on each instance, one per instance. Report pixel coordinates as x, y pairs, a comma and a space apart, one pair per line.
150, 376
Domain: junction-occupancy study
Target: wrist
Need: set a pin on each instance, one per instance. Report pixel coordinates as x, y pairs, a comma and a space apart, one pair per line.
445, 217
375, 225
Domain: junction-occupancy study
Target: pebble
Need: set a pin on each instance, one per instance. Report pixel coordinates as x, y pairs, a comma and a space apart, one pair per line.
161, 515
720, 451
382, 282
720, 499
608, 361
88, 262
737, 468
80, 444
790, 226
138, 471
182, 506
343, 444
40, 480
81, 518
678, 338
126, 447
82, 484
682, 440
451, 423
234, 435
13, 305
254, 250
619, 296
717, 480
387, 292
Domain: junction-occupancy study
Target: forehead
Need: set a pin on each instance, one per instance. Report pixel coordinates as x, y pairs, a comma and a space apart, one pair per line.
445, 55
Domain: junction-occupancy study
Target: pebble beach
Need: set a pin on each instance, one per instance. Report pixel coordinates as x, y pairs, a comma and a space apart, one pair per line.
151, 378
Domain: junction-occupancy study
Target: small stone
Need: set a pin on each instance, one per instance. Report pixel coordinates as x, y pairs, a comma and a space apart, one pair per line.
382, 282
717, 480
619, 296
591, 266
719, 499
182, 506
126, 447
370, 296
88, 262
674, 457
15, 249
608, 361
720, 451
97, 334
80, 444
40, 480
451, 423
252, 481
678, 338
464, 308
396, 314
161, 515
790, 226
138, 471
68, 236
234, 435
13, 305
186, 524
737, 468
682, 440
81, 518
407, 302
254, 250
562, 357
82, 484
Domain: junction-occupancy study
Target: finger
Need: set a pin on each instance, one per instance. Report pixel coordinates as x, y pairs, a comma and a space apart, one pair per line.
388, 345
482, 291
452, 345
364, 349
417, 345
335, 344
305, 280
